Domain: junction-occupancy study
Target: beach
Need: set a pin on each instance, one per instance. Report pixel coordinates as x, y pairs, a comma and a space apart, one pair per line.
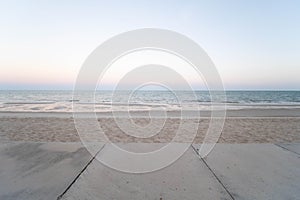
150, 100
248, 126
43, 156
255, 158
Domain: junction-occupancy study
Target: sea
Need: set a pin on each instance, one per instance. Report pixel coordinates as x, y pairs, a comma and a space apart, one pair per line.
105, 101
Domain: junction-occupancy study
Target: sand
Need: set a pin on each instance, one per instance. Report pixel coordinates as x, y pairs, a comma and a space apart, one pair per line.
236, 130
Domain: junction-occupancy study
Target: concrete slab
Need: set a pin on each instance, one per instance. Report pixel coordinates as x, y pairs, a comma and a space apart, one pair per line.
187, 178
33, 171
291, 147
256, 171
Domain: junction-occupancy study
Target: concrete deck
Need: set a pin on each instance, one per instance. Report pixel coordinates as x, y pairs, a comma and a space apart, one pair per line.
291, 147
32, 171
256, 171
231, 171
188, 178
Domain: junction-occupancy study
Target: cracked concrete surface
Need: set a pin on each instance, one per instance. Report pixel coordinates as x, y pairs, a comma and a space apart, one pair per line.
187, 178
256, 171
36, 171
33, 171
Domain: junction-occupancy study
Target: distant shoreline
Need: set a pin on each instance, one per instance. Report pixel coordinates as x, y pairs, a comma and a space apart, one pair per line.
263, 112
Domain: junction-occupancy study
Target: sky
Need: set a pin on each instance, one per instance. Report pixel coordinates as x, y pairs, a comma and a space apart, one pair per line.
254, 44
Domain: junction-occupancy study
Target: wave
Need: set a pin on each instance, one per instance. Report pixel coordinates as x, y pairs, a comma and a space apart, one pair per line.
36, 102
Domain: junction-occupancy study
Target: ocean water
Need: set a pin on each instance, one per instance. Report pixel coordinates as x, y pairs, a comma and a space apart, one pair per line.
105, 101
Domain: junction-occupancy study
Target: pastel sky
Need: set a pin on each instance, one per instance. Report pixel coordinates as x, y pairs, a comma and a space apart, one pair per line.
254, 44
